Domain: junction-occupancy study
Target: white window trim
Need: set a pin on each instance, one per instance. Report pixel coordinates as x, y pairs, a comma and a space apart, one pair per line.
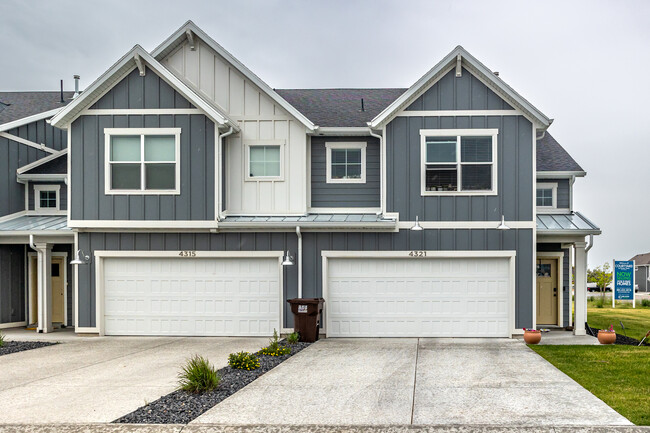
247, 165
345, 145
424, 133
109, 132
37, 197
547, 185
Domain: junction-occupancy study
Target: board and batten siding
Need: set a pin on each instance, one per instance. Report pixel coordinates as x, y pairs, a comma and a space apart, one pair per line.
12, 283
260, 118
14, 155
63, 194
196, 200
349, 195
314, 243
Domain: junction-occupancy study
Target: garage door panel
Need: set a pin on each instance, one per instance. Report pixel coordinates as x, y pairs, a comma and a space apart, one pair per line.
434, 297
191, 296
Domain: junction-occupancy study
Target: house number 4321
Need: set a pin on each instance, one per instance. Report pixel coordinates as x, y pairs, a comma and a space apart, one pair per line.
417, 254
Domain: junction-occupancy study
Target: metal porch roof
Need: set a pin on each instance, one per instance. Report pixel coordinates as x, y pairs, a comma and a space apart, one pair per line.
566, 224
35, 223
309, 220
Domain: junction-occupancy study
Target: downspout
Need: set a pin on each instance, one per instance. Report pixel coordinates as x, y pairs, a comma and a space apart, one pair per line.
591, 243
299, 234
381, 162
218, 175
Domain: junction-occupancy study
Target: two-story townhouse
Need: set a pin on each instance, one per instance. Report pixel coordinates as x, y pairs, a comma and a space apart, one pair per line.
201, 199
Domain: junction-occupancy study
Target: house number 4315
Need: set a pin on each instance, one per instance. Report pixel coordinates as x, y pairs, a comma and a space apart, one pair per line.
187, 253
417, 254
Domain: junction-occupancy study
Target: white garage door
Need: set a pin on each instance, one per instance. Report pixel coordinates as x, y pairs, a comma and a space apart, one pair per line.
423, 297
191, 296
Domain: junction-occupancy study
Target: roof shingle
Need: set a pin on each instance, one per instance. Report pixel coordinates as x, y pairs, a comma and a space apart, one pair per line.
17, 105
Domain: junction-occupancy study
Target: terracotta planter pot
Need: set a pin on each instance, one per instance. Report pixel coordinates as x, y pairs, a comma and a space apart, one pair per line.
532, 337
606, 337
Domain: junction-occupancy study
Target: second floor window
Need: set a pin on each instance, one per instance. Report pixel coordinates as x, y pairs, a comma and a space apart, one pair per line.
462, 163
142, 161
546, 195
264, 161
346, 162
46, 197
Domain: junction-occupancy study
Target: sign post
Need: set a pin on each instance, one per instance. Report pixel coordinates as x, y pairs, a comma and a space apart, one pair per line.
623, 282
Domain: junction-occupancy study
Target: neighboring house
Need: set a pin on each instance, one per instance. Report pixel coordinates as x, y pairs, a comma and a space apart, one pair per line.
642, 271
444, 209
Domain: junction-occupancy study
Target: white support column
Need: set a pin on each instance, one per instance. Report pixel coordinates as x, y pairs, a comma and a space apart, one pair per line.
44, 287
580, 288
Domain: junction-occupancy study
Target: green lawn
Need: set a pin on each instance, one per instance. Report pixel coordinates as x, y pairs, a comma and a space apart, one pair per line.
636, 321
618, 375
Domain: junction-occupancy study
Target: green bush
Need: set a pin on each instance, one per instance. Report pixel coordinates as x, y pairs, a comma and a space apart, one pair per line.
293, 338
645, 302
274, 348
600, 302
198, 375
243, 361
2, 339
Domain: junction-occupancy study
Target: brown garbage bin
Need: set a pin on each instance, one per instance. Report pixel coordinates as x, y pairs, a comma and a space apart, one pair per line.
307, 314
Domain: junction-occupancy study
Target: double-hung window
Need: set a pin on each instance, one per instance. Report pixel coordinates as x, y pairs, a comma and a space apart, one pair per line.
346, 162
264, 160
459, 162
142, 161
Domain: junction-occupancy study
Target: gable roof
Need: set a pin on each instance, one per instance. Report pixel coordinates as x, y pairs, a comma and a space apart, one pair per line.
179, 36
340, 107
118, 71
19, 105
641, 259
551, 156
476, 68
57, 163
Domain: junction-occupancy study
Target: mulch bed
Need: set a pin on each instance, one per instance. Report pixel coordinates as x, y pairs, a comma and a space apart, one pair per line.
19, 346
620, 339
181, 407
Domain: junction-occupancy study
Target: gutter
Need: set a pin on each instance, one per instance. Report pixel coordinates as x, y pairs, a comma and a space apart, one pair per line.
382, 161
299, 261
218, 174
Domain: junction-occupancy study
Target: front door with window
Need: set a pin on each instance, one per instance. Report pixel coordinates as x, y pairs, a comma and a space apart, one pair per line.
58, 289
547, 292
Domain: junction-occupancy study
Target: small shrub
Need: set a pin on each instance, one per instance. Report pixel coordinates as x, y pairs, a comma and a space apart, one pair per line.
2, 339
243, 361
600, 302
274, 348
293, 338
198, 375
645, 302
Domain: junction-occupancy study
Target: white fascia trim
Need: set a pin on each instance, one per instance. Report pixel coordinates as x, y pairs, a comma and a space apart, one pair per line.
306, 226
466, 224
176, 253
342, 131
345, 210
29, 119
361, 145
457, 113
560, 174
141, 224
41, 161
572, 233
13, 215
51, 233
140, 111
29, 143
473, 65
126, 64
42, 177
180, 34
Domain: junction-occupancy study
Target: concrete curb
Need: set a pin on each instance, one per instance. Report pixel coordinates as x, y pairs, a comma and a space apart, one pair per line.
178, 428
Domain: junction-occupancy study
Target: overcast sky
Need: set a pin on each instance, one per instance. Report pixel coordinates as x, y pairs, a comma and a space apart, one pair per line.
583, 63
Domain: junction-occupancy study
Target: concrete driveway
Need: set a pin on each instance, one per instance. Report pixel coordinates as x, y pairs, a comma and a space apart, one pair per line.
88, 380
411, 381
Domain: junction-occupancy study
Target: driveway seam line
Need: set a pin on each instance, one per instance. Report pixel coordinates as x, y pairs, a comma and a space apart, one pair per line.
89, 365
415, 378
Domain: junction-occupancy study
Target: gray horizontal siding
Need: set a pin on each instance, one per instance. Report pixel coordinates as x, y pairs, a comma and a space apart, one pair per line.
14, 155
196, 199
12, 283
514, 162
63, 195
325, 194
313, 244
136, 92
563, 192
462, 93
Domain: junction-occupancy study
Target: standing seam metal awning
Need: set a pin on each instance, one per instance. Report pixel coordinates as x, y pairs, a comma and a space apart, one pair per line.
566, 224
35, 224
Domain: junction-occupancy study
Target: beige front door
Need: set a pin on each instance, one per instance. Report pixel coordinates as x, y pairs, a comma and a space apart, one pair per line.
58, 289
547, 292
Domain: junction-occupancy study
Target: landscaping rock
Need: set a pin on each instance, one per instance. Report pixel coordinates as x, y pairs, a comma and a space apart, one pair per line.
19, 346
181, 407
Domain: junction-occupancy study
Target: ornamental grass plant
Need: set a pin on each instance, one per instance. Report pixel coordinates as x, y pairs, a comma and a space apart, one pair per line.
198, 375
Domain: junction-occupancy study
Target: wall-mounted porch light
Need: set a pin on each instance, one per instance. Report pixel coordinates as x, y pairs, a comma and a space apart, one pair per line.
287, 260
417, 227
502, 225
81, 258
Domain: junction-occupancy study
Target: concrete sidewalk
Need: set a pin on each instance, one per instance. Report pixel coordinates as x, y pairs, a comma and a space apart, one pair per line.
498, 382
100, 379
175, 428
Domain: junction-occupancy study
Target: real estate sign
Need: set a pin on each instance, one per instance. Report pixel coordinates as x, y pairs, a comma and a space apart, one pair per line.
623, 281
